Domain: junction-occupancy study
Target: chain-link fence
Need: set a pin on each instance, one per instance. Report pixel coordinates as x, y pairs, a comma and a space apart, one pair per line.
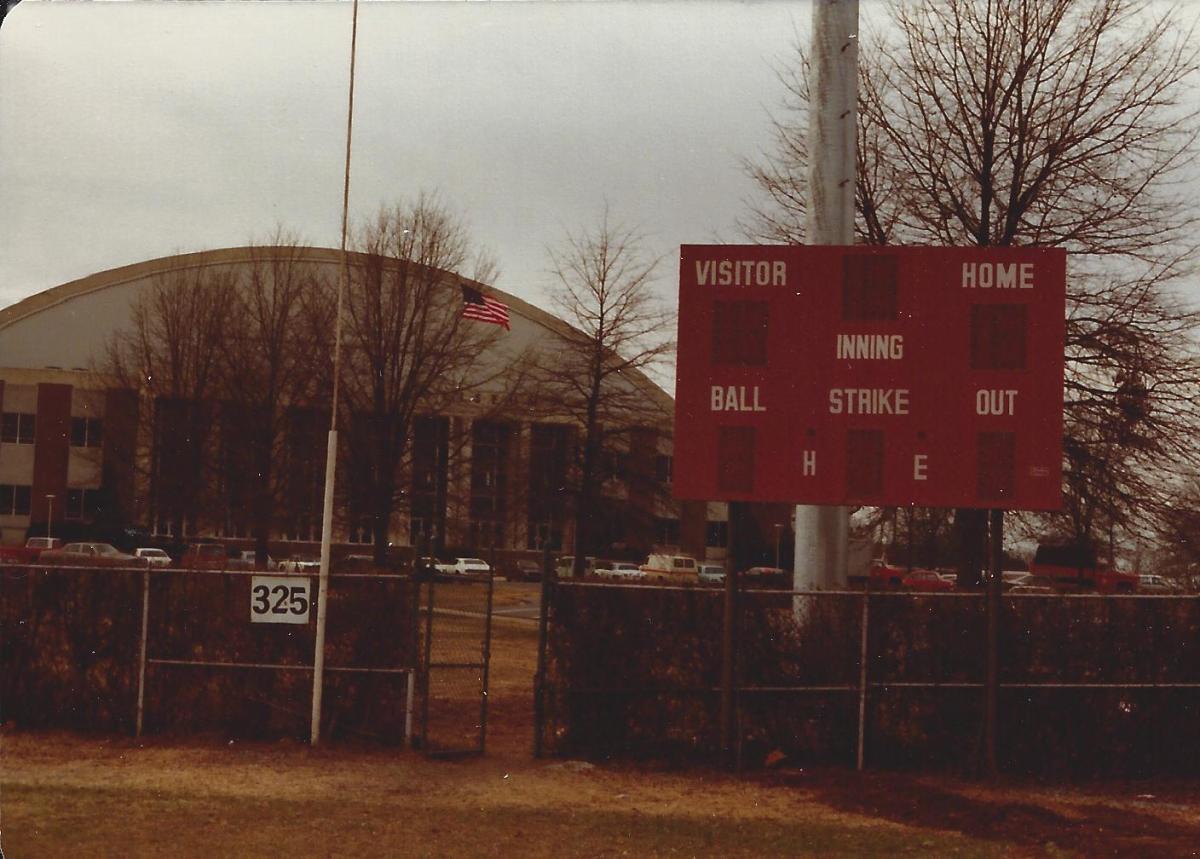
196, 651
456, 643
1087, 684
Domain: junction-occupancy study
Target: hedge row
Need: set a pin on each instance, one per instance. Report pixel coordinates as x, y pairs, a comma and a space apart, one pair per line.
636, 671
72, 640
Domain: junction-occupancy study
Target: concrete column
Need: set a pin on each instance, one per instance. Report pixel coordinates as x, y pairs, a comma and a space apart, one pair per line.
822, 532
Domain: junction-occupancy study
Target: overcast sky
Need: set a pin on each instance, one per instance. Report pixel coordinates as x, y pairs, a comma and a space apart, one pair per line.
130, 131
135, 130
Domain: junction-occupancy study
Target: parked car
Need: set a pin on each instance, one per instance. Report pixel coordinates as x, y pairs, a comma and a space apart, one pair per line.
28, 553
1034, 585
626, 570
211, 556
524, 570
714, 573
926, 580
91, 554
152, 556
755, 572
885, 575
565, 568
1070, 565
248, 556
41, 544
618, 570
465, 567
1148, 583
300, 564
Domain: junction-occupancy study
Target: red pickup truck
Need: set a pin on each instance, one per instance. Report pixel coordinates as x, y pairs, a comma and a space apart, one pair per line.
1071, 566
30, 552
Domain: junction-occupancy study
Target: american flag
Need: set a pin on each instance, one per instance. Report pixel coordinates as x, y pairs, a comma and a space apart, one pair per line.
478, 306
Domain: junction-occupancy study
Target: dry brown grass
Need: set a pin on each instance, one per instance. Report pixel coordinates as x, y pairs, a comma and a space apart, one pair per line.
67, 795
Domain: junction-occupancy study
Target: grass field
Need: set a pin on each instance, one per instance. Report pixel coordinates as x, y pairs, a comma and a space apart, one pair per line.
71, 795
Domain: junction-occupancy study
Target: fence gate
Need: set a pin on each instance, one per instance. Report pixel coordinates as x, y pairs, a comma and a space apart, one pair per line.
455, 648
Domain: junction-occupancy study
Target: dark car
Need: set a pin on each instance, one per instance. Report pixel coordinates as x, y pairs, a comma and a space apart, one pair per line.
525, 571
88, 554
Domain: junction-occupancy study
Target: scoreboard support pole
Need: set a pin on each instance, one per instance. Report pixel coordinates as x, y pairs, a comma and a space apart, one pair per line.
822, 533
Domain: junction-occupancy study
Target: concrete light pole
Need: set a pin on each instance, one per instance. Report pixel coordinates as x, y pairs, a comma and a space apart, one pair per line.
49, 516
822, 533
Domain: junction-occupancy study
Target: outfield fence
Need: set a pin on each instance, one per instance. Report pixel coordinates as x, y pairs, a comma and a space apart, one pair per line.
1087, 684
206, 651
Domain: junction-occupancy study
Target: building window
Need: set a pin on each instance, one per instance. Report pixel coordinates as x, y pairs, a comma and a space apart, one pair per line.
546, 489
612, 465
81, 503
667, 532
664, 468
422, 531
86, 432
716, 534
489, 483
14, 500
544, 535
17, 428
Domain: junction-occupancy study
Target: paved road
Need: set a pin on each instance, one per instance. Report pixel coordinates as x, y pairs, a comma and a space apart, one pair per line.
527, 596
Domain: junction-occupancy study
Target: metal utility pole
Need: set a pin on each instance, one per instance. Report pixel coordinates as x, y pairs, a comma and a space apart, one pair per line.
331, 445
822, 533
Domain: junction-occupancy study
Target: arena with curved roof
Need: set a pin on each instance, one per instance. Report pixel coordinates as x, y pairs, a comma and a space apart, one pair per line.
92, 443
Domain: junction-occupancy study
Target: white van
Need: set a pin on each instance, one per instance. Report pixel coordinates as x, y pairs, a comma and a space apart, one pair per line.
666, 567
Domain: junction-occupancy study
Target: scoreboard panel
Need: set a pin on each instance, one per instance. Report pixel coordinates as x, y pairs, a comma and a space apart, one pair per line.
871, 375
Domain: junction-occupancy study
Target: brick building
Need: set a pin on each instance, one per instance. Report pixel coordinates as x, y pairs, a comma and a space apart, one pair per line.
79, 451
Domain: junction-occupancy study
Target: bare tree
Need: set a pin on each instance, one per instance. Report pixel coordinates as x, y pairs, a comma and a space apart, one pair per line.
267, 373
1060, 123
408, 349
602, 288
1180, 555
172, 353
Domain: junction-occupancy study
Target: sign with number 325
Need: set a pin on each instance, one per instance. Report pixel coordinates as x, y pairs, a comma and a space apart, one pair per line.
280, 599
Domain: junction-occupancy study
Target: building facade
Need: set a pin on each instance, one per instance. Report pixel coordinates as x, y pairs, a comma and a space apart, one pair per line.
82, 449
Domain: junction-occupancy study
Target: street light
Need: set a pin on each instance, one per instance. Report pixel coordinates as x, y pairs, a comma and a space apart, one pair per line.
49, 516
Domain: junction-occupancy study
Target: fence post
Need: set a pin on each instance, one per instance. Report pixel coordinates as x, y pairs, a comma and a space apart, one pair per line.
992, 684
727, 667
141, 689
487, 655
730, 745
426, 659
539, 677
408, 707
862, 673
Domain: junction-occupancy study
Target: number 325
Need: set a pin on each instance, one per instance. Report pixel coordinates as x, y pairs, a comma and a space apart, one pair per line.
286, 599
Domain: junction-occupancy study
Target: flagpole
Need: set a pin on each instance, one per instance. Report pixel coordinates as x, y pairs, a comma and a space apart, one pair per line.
331, 444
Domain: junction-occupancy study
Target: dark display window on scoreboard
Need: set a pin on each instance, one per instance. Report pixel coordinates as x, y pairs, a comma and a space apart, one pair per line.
739, 333
998, 335
868, 288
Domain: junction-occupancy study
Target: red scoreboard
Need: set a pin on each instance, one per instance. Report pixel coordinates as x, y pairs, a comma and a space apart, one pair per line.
871, 375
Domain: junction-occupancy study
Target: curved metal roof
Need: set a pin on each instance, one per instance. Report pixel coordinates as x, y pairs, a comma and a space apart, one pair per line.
66, 302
